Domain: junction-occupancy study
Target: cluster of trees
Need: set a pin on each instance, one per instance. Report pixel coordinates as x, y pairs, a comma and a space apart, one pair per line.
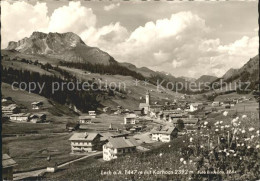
83, 100
112, 68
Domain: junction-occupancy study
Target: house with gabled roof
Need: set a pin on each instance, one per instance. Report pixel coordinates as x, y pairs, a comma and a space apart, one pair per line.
85, 119
85, 142
164, 134
116, 147
130, 119
37, 105
7, 167
21, 117
37, 118
195, 106
10, 109
92, 114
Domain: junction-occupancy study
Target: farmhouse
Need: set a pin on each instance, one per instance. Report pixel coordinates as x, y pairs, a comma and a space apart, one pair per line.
37, 118
52, 167
23, 117
85, 142
10, 109
190, 128
136, 129
195, 106
164, 134
7, 167
226, 106
117, 147
6, 99
70, 126
37, 105
84, 119
215, 104
159, 115
130, 119
92, 114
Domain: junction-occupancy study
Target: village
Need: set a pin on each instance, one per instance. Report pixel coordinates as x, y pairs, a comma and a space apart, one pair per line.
133, 131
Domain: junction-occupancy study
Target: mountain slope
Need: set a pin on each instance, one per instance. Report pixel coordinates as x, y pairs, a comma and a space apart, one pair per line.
143, 70
248, 72
231, 72
63, 46
205, 78
246, 77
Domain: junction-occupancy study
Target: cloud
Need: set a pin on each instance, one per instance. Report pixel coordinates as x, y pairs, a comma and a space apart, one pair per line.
176, 44
106, 36
72, 17
165, 41
20, 19
111, 6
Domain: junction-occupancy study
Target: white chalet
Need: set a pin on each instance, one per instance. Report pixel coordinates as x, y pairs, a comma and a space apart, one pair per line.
195, 106
92, 114
85, 142
116, 147
164, 134
84, 119
10, 109
37, 118
130, 119
23, 117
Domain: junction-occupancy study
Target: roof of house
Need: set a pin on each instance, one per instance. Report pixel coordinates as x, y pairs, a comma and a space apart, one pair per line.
156, 106
142, 105
21, 115
9, 107
36, 103
163, 130
130, 116
83, 136
122, 142
177, 115
172, 111
7, 161
107, 135
39, 115
84, 117
83, 126
196, 104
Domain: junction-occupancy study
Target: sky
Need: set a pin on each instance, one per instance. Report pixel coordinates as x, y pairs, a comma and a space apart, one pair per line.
182, 38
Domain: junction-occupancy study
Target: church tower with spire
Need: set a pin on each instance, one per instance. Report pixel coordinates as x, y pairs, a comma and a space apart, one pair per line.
147, 98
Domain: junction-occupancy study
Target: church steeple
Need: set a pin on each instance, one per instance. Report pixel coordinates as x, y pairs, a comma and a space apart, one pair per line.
147, 97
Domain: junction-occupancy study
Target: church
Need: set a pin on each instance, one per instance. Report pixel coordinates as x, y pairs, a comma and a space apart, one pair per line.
147, 107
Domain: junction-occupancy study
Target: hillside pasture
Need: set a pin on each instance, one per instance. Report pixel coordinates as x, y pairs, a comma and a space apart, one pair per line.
31, 152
